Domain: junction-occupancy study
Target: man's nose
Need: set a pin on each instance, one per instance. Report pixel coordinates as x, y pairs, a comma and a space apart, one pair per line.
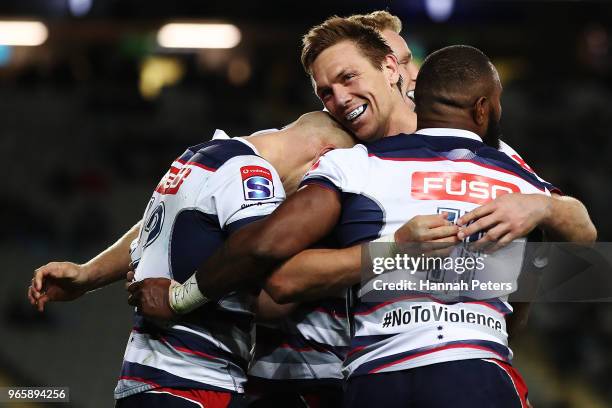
342, 97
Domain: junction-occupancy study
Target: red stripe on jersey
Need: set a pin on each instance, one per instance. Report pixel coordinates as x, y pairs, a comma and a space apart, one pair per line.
186, 350
355, 350
517, 381
295, 348
435, 350
203, 398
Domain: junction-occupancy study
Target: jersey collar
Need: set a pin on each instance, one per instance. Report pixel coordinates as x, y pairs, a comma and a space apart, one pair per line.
221, 135
246, 142
449, 132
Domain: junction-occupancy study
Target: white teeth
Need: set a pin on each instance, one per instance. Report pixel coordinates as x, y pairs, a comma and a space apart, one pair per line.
353, 114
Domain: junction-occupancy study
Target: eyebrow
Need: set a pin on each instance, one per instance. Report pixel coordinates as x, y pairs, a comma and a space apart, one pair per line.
342, 72
338, 76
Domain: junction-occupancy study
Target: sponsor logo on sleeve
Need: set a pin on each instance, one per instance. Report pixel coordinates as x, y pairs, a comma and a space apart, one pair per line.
173, 179
466, 187
257, 183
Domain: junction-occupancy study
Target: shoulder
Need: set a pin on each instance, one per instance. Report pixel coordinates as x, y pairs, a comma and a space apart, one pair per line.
358, 152
215, 153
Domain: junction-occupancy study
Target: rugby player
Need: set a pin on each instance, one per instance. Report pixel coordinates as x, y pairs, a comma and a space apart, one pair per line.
210, 191
358, 88
297, 358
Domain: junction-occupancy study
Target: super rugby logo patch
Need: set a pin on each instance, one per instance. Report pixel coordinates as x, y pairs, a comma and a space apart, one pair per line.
257, 183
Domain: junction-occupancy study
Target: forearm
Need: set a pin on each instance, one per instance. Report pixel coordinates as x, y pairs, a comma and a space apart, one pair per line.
249, 255
240, 263
112, 264
314, 274
267, 310
568, 220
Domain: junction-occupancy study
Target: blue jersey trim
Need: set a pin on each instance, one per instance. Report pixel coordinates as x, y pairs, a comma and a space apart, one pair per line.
215, 153
157, 378
322, 182
373, 366
236, 225
417, 146
195, 236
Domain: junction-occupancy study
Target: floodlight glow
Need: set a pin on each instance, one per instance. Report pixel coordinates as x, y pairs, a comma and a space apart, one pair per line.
181, 35
79, 8
23, 33
439, 10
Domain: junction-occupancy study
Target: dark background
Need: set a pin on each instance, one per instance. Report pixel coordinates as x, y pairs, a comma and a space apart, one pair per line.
82, 146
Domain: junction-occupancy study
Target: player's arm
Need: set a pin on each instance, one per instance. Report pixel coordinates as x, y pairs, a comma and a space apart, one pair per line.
253, 252
318, 273
267, 310
63, 281
512, 216
568, 221
247, 257
314, 274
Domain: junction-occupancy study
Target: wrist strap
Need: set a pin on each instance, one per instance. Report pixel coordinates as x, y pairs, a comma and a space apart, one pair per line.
384, 247
186, 297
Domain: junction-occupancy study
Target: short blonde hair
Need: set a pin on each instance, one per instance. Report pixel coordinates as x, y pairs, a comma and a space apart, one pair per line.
379, 20
337, 29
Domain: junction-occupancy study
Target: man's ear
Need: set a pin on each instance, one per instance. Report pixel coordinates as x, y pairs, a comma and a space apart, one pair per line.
480, 113
391, 68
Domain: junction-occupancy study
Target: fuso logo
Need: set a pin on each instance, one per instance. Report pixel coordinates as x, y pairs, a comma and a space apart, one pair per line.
172, 181
467, 187
257, 183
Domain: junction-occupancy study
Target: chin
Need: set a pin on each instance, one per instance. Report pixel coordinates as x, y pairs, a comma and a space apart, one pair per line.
365, 135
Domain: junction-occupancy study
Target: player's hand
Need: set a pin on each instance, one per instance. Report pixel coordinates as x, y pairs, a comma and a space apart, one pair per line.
505, 219
129, 279
433, 232
57, 281
152, 298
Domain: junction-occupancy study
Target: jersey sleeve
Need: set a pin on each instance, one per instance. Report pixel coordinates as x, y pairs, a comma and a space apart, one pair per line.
242, 190
513, 154
342, 170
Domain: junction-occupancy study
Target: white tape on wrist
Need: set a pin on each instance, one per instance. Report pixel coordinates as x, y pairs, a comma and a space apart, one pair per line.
388, 250
186, 297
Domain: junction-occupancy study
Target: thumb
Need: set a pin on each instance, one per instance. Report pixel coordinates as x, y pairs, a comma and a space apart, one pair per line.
130, 276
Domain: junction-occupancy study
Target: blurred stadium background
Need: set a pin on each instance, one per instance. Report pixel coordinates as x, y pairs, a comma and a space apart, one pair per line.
91, 118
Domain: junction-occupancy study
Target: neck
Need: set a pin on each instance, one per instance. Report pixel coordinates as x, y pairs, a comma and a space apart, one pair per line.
291, 155
402, 119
